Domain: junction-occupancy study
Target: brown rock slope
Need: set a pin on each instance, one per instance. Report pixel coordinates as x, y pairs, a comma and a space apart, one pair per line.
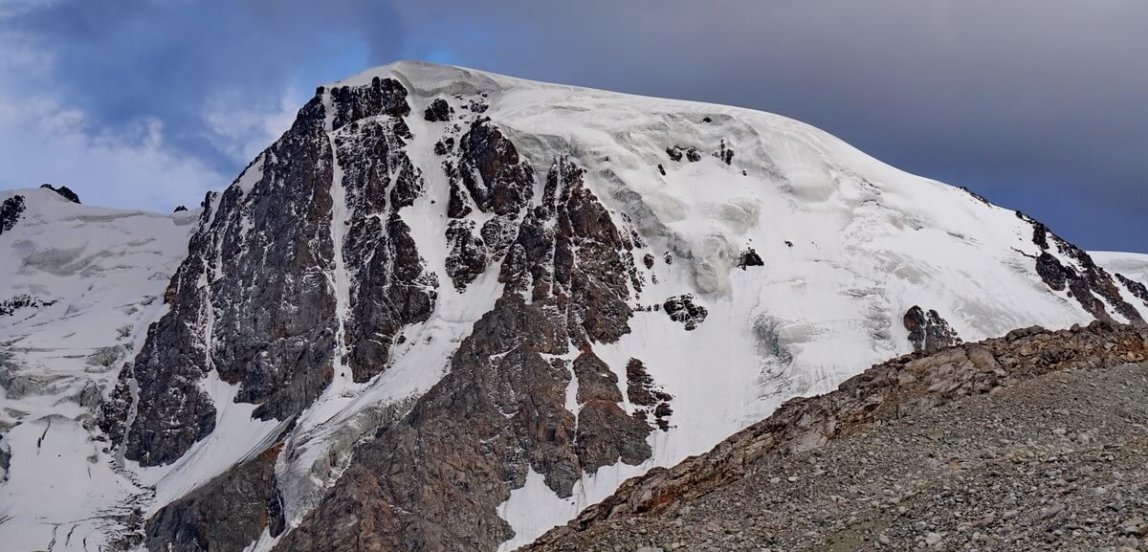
1034, 441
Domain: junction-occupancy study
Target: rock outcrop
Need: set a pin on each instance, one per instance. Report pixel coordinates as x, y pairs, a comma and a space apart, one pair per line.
644, 392
10, 211
748, 258
438, 111
682, 308
11, 305
228, 513
250, 304
64, 191
928, 331
1073, 270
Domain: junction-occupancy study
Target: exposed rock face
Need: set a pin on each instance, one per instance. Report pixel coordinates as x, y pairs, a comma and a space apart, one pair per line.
403, 488
13, 304
1138, 289
682, 309
749, 258
928, 331
1072, 268
275, 250
486, 175
908, 386
228, 513
438, 111
389, 287
467, 257
641, 390
64, 192
10, 212
257, 252
605, 433
355, 103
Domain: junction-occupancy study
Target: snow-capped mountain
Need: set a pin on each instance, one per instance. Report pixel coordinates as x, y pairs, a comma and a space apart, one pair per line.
450, 309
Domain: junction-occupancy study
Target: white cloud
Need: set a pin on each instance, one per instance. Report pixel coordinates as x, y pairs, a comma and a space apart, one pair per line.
44, 141
241, 127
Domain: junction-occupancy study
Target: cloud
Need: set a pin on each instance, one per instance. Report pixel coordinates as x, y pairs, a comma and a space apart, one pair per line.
240, 126
180, 62
39, 142
143, 103
1036, 104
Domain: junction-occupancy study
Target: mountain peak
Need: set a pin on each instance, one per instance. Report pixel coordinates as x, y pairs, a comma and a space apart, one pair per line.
428, 79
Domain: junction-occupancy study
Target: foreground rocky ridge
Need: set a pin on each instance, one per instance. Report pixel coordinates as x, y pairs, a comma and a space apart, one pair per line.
1034, 441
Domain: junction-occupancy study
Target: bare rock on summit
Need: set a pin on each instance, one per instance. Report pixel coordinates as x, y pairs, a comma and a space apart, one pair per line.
64, 191
10, 212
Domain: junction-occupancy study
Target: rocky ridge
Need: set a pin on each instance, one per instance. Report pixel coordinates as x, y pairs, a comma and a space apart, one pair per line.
1033, 441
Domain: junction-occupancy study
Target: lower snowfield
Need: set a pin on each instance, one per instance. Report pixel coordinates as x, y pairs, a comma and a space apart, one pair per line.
103, 271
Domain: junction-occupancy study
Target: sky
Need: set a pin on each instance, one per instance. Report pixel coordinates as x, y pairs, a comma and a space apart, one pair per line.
1039, 105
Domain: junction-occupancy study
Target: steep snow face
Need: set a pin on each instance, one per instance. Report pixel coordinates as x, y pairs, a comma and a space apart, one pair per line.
91, 280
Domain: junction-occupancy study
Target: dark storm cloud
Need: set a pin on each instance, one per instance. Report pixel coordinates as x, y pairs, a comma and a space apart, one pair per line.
120, 60
1039, 105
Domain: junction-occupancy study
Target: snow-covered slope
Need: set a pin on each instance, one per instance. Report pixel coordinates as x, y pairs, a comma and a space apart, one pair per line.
1132, 265
88, 281
461, 307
